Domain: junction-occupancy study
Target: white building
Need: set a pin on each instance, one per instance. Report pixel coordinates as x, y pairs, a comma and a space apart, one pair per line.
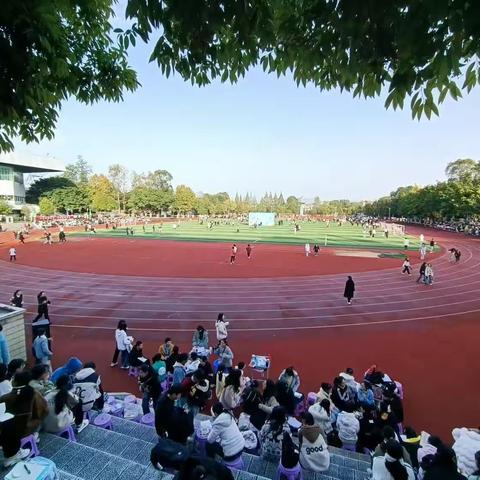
13, 166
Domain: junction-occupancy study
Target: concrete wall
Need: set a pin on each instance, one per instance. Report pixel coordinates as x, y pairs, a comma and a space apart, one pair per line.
12, 320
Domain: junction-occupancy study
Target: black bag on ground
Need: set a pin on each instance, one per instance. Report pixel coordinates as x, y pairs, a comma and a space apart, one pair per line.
196, 467
290, 452
168, 454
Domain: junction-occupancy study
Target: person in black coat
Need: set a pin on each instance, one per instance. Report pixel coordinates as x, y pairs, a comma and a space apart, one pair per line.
17, 299
349, 290
135, 357
150, 387
171, 421
42, 309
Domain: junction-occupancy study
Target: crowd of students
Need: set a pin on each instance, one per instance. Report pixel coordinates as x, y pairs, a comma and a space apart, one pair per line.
34, 398
287, 427
365, 416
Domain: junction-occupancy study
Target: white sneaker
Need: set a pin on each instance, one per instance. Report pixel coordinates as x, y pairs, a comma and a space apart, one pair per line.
19, 456
36, 436
83, 425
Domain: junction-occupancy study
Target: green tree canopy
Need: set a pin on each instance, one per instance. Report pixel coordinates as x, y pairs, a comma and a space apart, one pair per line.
51, 50
5, 208
457, 198
160, 179
69, 199
102, 194
44, 185
419, 49
292, 205
463, 169
146, 199
78, 172
185, 199
118, 175
47, 207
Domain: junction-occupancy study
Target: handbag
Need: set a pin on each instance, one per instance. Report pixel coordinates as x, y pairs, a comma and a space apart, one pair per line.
290, 452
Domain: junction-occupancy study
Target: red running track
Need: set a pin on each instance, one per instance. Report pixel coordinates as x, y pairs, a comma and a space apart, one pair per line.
424, 336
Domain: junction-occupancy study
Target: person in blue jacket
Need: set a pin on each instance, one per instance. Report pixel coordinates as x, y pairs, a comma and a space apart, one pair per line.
4, 350
73, 366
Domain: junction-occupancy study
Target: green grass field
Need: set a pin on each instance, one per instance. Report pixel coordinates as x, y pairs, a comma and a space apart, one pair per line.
334, 236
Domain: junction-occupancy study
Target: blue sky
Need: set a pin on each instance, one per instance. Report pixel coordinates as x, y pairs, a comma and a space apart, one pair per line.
264, 134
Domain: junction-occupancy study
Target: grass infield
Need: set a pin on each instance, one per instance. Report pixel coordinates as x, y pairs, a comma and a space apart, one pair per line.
312, 232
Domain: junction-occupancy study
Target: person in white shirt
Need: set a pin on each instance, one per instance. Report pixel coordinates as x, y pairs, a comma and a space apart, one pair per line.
221, 327
392, 466
406, 266
428, 274
124, 343
307, 249
348, 427
13, 254
225, 438
314, 454
5, 384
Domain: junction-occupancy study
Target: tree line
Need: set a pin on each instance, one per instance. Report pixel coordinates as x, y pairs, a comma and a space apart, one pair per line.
80, 190
417, 52
456, 198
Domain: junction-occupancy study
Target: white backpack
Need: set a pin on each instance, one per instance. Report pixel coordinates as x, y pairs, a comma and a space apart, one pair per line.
87, 393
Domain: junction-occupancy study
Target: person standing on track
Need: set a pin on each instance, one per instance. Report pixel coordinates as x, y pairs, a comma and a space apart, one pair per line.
432, 245
13, 254
406, 266
349, 290
233, 254
428, 274
421, 276
249, 251
43, 303
406, 243
316, 249
307, 249
221, 327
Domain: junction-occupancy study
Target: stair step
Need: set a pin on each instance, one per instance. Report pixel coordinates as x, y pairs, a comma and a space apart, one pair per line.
116, 443
87, 463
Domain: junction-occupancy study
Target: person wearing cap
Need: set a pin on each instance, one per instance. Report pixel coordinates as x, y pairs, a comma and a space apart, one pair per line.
72, 366
172, 421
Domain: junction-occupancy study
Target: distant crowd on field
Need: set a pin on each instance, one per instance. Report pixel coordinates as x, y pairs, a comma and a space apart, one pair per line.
471, 227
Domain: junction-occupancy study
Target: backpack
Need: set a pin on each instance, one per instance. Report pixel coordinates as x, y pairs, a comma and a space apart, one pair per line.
87, 393
377, 394
168, 454
38, 468
290, 452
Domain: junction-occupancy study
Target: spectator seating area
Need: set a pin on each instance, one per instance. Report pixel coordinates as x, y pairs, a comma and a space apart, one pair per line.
260, 428
123, 453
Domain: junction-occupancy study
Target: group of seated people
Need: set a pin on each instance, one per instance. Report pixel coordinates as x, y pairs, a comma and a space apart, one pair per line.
34, 399
365, 416
467, 227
